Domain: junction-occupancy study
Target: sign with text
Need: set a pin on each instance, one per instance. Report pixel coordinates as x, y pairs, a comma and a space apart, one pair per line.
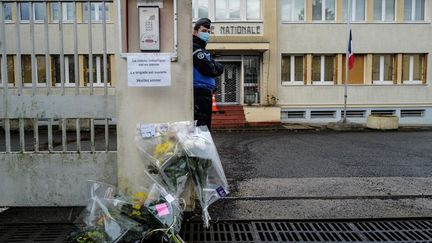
149, 69
150, 3
237, 29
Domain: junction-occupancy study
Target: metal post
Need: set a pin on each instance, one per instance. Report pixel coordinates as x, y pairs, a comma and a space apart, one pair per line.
33, 54
346, 63
90, 39
18, 49
4, 73
64, 135
47, 56
50, 135
76, 60
78, 135
21, 134
105, 67
4, 77
92, 136
62, 58
36, 134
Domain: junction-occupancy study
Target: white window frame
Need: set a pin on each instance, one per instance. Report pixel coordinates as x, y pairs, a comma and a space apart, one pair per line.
12, 13
65, 12
34, 13
1, 79
99, 82
353, 11
384, 11
66, 76
212, 12
246, 8
323, 12
322, 72
227, 17
381, 73
292, 80
38, 84
292, 14
97, 19
411, 72
413, 13
195, 9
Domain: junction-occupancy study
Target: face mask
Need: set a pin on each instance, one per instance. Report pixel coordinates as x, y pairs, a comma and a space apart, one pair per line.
204, 36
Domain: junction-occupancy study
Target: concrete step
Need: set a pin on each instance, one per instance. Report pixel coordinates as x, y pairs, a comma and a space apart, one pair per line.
234, 125
230, 107
228, 117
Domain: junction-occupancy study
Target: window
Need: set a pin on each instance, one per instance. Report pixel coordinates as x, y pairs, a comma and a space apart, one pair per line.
384, 10
69, 70
40, 70
227, 9
38, 11
383, 69
253, 10
357, 74
414, 10
98, 70
7, 11
357, 10
10, 70
292, 70
251, 67
323, 69
323, 10
200, 9
68, 12
412, 69
97, 12
293, 10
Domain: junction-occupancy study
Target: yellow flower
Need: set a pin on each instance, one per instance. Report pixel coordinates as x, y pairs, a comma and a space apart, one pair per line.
163, 149
138, 199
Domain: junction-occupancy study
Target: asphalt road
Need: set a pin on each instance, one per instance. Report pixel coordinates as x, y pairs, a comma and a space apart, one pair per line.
281, 154
325, 175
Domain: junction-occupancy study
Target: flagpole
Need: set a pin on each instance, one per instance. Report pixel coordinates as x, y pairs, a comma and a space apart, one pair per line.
346, 62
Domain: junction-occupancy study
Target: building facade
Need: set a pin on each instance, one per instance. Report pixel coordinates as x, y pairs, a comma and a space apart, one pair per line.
60, 67
244, 39
290, 55
391, 75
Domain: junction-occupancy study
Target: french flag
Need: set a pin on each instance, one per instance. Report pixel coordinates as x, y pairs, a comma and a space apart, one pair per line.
351, 53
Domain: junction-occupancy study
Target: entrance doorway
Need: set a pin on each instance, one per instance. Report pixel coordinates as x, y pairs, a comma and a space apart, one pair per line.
228, 85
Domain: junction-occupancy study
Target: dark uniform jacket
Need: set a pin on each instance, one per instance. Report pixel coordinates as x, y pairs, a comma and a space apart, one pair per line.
205, 68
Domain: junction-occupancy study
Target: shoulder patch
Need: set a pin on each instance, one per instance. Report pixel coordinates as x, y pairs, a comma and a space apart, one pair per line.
200, 55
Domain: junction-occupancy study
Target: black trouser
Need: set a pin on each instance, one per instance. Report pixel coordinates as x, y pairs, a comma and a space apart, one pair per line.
203, 107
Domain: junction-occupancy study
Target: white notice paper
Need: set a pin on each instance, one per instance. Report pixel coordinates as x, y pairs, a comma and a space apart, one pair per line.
149, 69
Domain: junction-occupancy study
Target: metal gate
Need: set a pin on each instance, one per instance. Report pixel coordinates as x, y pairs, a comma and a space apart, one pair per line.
228, 85
58, 100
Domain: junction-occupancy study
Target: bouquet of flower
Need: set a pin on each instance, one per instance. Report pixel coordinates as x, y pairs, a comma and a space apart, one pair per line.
159, 145
179, 150
110, 217
103, 219
205, 167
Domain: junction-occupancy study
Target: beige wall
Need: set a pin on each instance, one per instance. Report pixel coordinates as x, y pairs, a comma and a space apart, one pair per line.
147, 105
262, 114
368, 38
